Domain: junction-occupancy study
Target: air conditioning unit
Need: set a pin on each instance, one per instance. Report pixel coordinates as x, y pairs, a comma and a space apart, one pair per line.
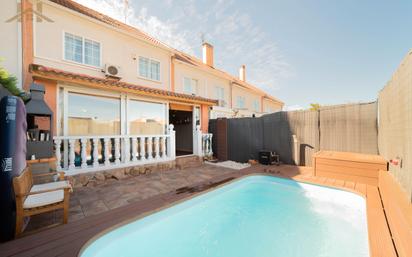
112, 71
221, 103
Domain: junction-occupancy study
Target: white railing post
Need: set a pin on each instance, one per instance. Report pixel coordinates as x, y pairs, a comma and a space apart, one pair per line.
197, 142
171, 143
117, 150
95, 152
156, 142
134, 149
58, 154
83, 144
71, 154
106, 151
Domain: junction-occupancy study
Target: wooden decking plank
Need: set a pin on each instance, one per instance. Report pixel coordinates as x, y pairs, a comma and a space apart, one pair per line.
87, 231
380, 241
68, 239
398, 210
65, 230
19, 245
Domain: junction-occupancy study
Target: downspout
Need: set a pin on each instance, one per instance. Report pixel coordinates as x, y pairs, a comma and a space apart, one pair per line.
27, 41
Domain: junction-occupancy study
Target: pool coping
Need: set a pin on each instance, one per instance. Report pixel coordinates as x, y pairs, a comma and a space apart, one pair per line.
81, 233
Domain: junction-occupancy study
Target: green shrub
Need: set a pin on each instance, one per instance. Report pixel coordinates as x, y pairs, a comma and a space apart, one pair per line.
9, 82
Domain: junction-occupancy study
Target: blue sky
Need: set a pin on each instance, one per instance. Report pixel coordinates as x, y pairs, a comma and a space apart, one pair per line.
323, 51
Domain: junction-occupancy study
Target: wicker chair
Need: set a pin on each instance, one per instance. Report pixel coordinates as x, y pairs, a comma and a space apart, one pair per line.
35, 199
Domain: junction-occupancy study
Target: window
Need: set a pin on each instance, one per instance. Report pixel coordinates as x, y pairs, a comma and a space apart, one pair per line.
73, 48
256, 105
93, 115
190, 86
241, 102
149, 69
91, 53
80, 50
146, 118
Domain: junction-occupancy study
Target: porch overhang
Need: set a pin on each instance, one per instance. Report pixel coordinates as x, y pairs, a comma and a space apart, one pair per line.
43, 72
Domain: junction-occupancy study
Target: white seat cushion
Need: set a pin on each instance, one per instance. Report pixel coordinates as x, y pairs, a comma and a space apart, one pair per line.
38, 200
50, 186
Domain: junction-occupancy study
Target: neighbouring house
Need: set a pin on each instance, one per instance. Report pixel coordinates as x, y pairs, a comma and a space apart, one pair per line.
114, 90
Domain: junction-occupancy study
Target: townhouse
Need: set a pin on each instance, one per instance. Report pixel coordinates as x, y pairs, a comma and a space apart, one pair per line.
114, 90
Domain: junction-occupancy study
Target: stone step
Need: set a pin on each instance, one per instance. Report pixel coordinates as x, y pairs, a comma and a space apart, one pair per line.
188, 162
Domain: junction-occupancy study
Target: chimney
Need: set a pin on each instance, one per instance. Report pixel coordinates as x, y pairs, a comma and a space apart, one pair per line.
207, 54
242, 73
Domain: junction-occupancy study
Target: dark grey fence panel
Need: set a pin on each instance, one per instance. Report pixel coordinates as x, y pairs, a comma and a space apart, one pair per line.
245, 138
277, 135
349, 128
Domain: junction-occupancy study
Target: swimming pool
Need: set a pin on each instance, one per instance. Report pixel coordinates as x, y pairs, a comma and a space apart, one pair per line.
256, 216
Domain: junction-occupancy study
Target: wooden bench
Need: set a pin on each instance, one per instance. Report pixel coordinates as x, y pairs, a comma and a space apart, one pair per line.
355, 167
35, 199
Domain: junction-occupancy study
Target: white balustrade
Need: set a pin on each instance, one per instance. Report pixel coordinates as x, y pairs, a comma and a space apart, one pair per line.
156, 142
197, 141
143, 148
83, 142
149, 148
106, 151
207, 144
72, 156
95, 152
171, 143
134, 149
117, 150
126, 150
202, 143
163, 149
57, 144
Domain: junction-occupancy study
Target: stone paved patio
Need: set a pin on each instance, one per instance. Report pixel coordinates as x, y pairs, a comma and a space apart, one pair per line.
87, 201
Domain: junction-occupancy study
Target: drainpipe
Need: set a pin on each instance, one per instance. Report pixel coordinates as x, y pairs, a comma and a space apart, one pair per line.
295, 144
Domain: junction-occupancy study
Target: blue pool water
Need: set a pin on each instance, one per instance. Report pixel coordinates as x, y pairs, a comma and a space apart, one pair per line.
257, 216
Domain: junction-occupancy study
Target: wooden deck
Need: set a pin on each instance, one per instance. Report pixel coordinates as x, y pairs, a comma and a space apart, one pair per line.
67, 240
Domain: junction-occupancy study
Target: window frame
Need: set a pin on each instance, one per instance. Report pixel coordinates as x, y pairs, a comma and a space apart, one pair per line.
255, 105
150, 60
243, 98
130, 98
194, 88
218, 90
83, 50
90, 94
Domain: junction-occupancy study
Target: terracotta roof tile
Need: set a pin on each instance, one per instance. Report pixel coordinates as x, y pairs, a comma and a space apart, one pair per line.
43, 70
